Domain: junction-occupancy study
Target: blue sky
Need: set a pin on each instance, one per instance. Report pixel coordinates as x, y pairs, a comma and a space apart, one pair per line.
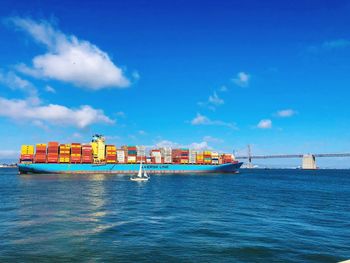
205, 74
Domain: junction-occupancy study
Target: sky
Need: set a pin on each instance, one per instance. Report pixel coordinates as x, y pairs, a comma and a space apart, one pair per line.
202, 74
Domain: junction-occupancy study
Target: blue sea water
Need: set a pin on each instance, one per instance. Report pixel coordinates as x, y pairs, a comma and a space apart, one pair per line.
254, 216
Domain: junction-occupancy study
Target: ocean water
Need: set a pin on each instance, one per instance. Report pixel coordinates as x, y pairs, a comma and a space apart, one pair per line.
254, 216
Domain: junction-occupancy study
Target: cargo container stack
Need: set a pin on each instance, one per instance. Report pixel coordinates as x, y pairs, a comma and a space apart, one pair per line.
120, 155
86, 153
75, 156
184, 156
207, 157
141, 154
40, 153
192, 156
199, 158
64, 153
111, 154
156, 156
27, 153
166, 154
176, 155
132, 153
214, 157
227, 158
52, 152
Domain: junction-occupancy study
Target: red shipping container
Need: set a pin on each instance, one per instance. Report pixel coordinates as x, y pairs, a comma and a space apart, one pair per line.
40, 158
27, 156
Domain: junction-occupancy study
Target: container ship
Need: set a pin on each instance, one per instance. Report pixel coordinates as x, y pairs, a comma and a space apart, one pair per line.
97, 157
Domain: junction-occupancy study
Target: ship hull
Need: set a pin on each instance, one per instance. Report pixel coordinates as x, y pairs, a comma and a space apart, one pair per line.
48, 168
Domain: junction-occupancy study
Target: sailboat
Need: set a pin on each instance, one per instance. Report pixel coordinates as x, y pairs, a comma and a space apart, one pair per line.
139, 176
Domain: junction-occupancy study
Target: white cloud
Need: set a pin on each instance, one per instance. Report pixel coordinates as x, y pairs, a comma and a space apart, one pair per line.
199, 146
286, 113
69, 59
14, 82
52, 113
50, 89
215, 100
242, 79
204, 120
212, 139
166, 143
200, 119
142, 132
265, 124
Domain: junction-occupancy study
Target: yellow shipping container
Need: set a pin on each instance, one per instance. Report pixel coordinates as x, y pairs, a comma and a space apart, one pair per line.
110, 147
101, 153
207, 152
94, 146
27, 149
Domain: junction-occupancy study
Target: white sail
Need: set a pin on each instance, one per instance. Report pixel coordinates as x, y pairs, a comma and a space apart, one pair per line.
140, 171
139, 177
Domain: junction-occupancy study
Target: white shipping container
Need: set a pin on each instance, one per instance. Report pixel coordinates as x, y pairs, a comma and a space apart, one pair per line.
120, 156
120, 160
120, 153
156, 154
165, 151
168, 159
192, 156
141, 150
158, 159
214, 154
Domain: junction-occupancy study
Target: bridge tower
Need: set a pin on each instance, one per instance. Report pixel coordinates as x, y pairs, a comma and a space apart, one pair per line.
249, 165
309, 162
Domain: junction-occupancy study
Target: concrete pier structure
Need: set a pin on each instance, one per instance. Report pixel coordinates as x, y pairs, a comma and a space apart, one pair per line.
309, 162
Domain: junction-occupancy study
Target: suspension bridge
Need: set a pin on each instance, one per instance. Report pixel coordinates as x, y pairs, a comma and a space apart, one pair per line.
308, 160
